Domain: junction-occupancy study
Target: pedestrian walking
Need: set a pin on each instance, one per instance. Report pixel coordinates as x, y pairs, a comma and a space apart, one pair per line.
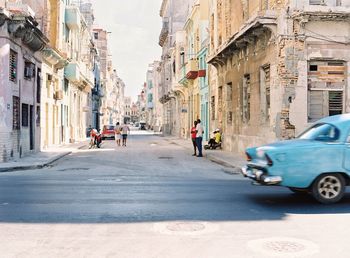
118, 135
199, 137
125, 130
193, 138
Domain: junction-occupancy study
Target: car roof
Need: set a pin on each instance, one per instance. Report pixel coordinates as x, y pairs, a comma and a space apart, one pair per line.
337, 120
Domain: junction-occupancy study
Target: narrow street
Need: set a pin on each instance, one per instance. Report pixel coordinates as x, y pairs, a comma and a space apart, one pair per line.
153, 199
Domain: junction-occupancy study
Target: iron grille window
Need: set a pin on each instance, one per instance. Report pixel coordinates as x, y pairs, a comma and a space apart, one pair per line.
335, 103
13, 66
25, 112
16, 113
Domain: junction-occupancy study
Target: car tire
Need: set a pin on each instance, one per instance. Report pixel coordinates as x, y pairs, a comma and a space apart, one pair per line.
329, 188
300, 191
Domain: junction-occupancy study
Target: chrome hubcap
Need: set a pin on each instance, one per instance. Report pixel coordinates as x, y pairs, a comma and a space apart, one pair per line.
329, 187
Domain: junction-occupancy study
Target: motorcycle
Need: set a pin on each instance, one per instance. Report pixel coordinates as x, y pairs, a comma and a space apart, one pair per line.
96, 139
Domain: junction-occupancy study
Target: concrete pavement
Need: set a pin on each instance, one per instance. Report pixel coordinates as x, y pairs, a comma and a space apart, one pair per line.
41, 159
221, 157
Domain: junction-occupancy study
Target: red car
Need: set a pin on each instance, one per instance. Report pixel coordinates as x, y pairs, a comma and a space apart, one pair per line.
108, 132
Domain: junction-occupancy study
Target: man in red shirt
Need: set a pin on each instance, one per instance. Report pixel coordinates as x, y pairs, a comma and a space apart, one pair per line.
193, 137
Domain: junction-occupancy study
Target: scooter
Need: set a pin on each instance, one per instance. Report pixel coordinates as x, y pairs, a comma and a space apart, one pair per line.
96, 139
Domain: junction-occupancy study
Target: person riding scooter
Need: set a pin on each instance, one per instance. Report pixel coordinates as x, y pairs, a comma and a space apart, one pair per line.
96, 138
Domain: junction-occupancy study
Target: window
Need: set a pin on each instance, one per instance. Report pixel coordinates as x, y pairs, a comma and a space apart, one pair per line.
13, 66
38, 116
29, 69
313, 68
96, 35
25, 112
265, 90
246, 98
321, 132
317, 2
229, 92
326, 89
212, 108
16, 113
38, 86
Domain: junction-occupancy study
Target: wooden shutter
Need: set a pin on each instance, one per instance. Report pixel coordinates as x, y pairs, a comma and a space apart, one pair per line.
317, 107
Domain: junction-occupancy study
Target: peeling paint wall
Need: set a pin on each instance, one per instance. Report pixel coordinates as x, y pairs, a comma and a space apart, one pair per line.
300, 35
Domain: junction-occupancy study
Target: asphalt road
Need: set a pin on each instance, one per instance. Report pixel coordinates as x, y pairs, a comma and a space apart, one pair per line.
153, 199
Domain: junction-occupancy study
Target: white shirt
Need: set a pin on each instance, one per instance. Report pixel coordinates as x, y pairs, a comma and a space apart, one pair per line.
200, 130
125, 129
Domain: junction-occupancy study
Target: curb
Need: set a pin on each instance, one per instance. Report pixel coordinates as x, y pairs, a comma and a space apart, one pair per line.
37, 166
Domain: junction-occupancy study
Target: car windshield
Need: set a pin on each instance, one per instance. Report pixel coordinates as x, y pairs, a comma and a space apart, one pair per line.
321, 132
109, 127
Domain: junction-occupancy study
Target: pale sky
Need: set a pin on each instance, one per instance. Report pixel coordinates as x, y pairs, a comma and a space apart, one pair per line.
135, 27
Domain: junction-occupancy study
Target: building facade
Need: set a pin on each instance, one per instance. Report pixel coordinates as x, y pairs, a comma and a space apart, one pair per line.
277, 67
20, 44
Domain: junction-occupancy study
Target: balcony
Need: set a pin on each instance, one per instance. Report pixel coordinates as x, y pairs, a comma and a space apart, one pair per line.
192, 69
321, 9
164, 33
73, 17
72, 72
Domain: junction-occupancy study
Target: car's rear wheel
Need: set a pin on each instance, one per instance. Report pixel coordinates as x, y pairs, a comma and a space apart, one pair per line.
298, 190
328, 188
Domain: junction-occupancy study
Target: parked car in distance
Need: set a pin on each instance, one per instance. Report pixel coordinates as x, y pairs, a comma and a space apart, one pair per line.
316, 162
142, 125
108, 132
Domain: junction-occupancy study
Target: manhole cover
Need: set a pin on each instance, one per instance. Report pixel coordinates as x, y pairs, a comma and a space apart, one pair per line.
186, 227
165, 158
283, 247
73, 169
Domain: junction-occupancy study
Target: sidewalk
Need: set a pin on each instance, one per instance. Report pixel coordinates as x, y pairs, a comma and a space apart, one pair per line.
224, 158
41, 159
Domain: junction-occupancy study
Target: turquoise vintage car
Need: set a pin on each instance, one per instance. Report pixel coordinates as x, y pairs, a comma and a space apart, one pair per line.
316, 162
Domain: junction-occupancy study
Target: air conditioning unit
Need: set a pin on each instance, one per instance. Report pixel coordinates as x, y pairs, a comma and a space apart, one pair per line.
58, 95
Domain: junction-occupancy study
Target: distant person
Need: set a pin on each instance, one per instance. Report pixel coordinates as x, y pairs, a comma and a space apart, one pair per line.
216, 140
199, 137
125, 130
193, 138
118, 135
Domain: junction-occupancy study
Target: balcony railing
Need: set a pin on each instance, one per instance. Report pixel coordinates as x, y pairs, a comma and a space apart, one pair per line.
192, 69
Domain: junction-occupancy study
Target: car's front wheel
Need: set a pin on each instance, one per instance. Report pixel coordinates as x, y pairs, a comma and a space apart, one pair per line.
328, 188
